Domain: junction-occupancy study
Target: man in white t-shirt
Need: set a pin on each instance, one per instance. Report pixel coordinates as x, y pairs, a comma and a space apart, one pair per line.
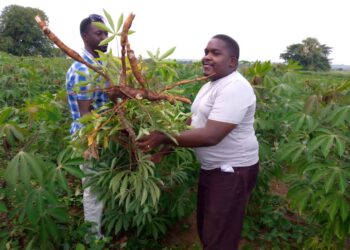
224, 141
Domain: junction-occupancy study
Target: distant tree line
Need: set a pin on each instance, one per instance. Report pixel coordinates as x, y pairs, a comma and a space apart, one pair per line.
310, 54
20, 34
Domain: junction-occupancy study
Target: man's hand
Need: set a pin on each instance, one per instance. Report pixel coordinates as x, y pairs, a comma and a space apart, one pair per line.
151, 141
158, 157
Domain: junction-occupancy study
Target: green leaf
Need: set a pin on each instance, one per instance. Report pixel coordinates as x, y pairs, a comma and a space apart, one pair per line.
340, 115
317, 142
124, 185
62, 180
109, 19
340, 146
326, 147
302, 202
12, 171
3, 208
287, 150
60, 214
74, 162
144, 196
115, 182
311, 104
102, 26
334, 206
5, 114
300, 121
120, 22
80, 246
344, 208
150, 54
17, 133
35, 164
297, 153
75, 171
168, 53
319, 174
330, 182
107, 40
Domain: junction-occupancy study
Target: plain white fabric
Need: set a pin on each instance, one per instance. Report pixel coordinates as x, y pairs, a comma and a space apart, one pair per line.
93, 207
230, 99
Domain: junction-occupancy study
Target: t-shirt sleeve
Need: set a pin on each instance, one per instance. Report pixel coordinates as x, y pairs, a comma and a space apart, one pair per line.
232, 102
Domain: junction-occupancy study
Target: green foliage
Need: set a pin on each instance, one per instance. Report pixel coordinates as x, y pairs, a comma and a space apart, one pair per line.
19, 34
310, 54
302, 125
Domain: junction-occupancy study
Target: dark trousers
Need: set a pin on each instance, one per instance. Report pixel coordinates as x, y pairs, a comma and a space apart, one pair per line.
222, 197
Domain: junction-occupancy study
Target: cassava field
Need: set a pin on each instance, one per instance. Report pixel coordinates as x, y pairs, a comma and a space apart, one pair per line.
301, 200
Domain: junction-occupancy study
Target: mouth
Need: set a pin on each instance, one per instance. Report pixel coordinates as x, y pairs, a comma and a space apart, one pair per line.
207, 68
103, 48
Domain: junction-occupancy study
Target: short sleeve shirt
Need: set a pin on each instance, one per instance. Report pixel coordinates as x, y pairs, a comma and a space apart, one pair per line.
78, 88
230, 99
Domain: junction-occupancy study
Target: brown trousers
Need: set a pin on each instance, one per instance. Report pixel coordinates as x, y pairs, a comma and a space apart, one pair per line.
222, 197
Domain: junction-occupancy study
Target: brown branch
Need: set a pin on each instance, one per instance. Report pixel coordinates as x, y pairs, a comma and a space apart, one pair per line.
185, 82
126, 28
70, 52
133, 64
126, 90
124, 122
123, 42
123, 73
150, 95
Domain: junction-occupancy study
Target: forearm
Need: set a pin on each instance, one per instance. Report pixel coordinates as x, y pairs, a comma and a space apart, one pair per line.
193, 138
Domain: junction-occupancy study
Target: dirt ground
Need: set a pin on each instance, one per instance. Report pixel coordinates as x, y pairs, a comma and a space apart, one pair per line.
183, 236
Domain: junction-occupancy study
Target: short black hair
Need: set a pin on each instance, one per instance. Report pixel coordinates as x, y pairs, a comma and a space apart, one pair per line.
231, 44
84, 24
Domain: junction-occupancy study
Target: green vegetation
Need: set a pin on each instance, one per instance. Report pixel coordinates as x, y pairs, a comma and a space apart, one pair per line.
302, 123
19, 34
310, 54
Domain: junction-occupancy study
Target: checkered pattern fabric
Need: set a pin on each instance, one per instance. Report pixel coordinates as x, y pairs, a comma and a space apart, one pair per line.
78, 85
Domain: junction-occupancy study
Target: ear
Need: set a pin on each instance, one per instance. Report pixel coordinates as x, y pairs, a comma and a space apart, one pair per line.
84, 36
233, 62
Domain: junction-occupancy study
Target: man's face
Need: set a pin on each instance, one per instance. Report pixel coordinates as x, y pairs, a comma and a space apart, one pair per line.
93, 37
218, 60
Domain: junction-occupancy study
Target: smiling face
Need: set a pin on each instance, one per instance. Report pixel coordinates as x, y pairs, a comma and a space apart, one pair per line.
218, 59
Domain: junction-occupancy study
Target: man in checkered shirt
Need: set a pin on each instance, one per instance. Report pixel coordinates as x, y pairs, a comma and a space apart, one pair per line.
82, 101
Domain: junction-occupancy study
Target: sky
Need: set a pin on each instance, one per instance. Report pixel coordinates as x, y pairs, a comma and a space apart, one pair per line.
263, 29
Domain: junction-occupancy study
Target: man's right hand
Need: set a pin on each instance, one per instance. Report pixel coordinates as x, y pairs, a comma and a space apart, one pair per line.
151, 141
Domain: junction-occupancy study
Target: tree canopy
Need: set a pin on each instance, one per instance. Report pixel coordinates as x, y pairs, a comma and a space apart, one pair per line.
310, 54
20, 35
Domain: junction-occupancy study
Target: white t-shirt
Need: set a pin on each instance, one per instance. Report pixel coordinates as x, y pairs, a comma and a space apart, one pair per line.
229, 99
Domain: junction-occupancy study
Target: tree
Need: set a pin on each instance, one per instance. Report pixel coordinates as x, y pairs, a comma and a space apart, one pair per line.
310, 54
19, 33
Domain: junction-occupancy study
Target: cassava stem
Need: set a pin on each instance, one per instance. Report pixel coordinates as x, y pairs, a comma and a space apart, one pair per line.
185, 82
129, 92
70, 52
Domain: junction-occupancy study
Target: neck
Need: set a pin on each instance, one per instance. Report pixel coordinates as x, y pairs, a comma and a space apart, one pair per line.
92, 52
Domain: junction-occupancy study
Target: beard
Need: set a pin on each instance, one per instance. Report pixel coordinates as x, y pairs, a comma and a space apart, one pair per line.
103, 48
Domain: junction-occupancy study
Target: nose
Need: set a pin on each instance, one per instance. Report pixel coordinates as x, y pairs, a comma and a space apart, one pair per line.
205, 58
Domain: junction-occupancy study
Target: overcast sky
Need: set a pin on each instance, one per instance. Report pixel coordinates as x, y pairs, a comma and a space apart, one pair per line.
263, 29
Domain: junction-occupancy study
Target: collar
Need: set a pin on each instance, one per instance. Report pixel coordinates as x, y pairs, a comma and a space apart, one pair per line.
223, 79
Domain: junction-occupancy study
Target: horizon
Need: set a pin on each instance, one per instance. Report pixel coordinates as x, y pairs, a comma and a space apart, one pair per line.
262, 29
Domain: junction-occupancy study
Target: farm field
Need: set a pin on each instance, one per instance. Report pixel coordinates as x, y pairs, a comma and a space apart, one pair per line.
301, 200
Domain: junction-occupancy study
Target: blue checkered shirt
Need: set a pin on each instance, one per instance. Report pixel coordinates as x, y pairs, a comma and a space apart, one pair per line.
81, 92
